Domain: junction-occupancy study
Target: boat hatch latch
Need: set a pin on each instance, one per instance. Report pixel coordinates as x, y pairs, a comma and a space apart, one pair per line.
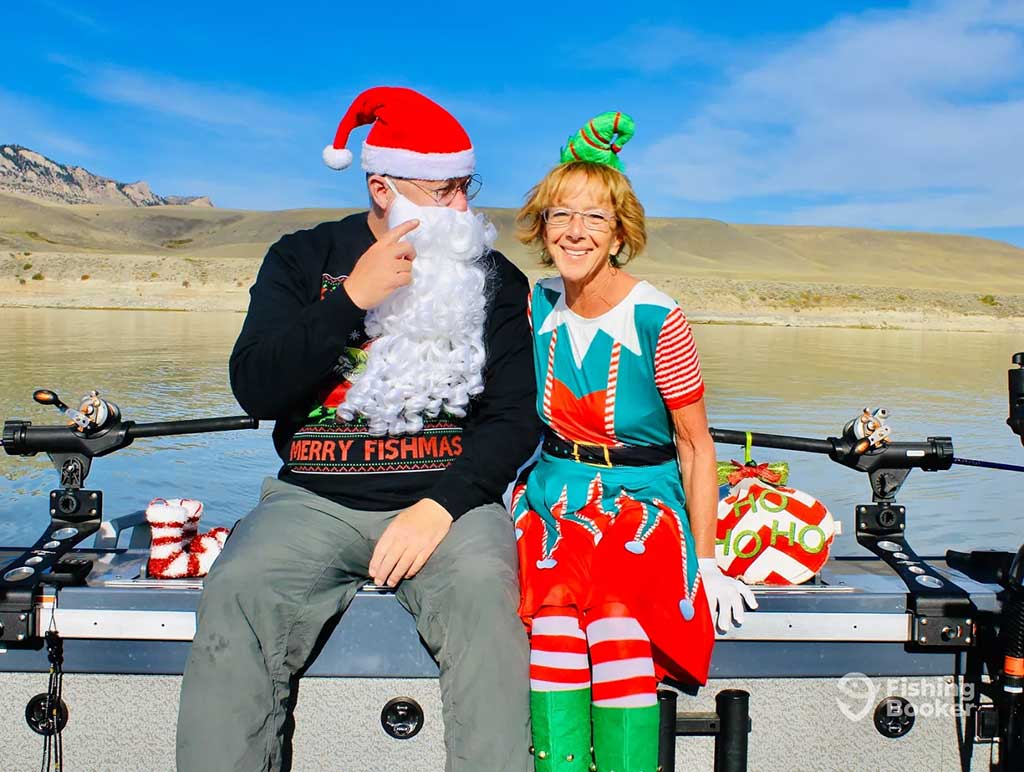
402, 718
17, 619
894, 717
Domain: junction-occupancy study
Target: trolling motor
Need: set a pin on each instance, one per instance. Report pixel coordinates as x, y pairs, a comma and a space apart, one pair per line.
94, 429
942, 613
1007, 570
1016, 390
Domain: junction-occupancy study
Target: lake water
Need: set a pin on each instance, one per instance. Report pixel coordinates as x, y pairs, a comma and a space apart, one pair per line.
787, 380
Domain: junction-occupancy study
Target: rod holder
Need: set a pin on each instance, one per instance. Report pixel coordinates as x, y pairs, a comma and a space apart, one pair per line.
729, 725
733, 708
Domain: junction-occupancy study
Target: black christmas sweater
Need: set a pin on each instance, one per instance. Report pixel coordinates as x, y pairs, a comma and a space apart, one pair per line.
303, 336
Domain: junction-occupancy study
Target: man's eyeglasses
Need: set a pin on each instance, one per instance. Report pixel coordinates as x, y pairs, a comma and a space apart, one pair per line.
597, 220
444, 194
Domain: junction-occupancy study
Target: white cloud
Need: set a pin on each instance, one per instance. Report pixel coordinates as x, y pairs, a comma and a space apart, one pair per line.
73, 15
220, 107
912, 118
938, 212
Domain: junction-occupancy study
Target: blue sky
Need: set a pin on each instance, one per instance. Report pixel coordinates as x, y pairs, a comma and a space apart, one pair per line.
902, 115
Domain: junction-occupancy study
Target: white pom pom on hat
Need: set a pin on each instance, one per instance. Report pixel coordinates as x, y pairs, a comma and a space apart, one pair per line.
337, 158
412, 136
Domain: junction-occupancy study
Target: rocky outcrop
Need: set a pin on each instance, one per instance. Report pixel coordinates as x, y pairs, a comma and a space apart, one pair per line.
188, 200
26, 172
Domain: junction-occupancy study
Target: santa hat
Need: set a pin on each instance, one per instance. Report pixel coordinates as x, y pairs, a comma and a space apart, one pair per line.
411, 137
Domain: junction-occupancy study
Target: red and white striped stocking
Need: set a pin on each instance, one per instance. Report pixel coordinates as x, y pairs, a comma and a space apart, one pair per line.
176, 551
558, 651
167, 556
621, 660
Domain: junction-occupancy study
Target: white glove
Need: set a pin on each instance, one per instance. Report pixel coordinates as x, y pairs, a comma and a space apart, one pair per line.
725, 595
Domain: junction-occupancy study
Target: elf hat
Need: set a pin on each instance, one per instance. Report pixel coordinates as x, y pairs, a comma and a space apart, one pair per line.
411, 137
600, 140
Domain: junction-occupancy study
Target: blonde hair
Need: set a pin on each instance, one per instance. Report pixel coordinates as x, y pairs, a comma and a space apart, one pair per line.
629, 212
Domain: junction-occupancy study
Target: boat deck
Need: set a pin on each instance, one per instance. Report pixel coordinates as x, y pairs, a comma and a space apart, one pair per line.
852, 618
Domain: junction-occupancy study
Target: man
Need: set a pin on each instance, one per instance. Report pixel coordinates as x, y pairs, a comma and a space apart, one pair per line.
392, 349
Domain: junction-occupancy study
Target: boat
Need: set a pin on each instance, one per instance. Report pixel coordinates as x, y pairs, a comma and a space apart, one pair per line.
887, 660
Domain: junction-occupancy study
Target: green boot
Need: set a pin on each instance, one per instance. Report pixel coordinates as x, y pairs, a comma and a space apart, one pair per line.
626, 739
561, 730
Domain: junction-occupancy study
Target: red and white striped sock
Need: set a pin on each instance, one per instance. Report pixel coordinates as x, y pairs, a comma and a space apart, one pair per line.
620, 655
167, 556
204, 549
176, 550
558, 651
193, 511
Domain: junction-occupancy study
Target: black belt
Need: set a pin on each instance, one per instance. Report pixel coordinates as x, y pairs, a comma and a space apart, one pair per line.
608, 455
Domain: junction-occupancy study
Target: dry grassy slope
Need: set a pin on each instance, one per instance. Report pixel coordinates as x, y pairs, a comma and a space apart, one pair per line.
678, 247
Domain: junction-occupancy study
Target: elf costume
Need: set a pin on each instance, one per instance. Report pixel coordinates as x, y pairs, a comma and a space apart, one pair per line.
608, 565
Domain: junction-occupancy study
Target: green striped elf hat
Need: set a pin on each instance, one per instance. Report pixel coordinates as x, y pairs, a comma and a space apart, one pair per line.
600, 140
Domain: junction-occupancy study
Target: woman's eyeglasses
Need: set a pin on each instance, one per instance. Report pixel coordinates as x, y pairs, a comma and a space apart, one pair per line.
597, 220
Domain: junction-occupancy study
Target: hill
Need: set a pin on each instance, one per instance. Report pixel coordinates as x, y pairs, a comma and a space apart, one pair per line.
27, 172
201, 257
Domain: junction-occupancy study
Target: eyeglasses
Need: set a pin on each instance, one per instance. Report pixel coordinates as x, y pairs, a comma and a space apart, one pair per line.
468, 186
597, 220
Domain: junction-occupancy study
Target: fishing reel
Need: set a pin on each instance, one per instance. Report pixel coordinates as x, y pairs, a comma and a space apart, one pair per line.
93, 415
866, 445
868, 430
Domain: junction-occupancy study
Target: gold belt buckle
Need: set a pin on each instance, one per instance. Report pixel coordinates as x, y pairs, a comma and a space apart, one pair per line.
604, 448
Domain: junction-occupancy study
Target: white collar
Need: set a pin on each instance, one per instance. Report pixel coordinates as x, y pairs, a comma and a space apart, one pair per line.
618, 322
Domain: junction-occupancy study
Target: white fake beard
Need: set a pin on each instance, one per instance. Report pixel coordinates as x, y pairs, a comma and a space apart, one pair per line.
427, 339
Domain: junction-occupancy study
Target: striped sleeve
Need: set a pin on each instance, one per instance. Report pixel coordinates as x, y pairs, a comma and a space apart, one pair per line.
676, 365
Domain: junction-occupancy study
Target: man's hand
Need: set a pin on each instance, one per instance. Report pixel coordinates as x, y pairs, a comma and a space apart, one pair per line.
383, 268
408, 541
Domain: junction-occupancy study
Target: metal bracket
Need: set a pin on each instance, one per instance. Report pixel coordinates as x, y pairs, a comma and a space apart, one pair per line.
881, 519
17, 619
942, 631
942, 613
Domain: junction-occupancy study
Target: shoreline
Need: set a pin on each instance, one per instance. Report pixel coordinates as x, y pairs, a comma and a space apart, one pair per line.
176, 283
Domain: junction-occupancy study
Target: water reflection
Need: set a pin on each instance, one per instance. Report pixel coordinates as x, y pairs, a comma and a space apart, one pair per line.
155, 366
803, 381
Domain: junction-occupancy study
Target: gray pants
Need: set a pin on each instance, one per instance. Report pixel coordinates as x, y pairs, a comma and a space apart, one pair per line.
297, 560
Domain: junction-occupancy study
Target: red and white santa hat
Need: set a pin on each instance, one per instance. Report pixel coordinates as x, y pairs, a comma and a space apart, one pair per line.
412, 137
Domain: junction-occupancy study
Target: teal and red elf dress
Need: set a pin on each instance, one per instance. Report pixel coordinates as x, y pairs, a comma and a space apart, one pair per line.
589, 533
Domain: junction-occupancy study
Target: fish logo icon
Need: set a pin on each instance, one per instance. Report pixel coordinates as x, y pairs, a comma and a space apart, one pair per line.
860, 693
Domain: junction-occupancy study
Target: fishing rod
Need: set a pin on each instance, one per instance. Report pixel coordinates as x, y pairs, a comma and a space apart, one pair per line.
988, 464
1015, 420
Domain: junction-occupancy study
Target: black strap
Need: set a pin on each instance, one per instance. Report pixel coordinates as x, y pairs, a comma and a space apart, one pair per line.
607, 455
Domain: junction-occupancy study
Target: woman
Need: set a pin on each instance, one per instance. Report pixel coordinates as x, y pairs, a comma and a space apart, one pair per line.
614, 518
